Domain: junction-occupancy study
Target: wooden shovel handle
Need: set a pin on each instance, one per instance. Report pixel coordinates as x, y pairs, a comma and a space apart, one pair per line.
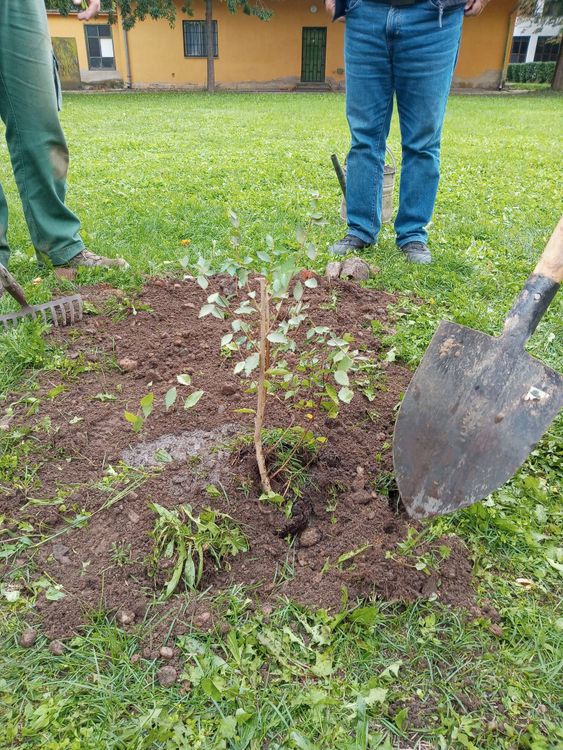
550, 264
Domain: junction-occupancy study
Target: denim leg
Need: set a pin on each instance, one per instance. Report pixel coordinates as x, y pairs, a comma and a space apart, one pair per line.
424, 57
369, 105
28, 106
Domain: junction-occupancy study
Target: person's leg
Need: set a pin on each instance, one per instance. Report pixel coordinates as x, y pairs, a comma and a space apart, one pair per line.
28, 107
425, 53
369, 104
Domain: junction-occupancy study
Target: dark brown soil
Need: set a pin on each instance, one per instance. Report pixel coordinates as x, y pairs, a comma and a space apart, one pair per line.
341, 511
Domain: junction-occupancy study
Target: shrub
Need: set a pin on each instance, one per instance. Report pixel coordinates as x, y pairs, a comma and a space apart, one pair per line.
532, 72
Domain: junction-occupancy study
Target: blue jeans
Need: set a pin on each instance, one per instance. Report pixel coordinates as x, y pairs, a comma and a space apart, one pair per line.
409, 52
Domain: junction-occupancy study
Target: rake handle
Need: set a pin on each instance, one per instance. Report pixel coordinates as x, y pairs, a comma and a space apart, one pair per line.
12, 286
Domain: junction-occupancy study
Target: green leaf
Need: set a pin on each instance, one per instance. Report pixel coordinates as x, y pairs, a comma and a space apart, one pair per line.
135, 420
311, 283
251, 363
162, 456
202, 281
364, 615
298, 291
301, 742
54, 593
184, 379
147, 404
341, 377
323, 664
311, 251
103, 397
211, 310
376, 695
170, 398
345, 395
226, 340
11, 595
278, 337
193, 399
401, 719
331, 393
54, 392
210, 689
228, 727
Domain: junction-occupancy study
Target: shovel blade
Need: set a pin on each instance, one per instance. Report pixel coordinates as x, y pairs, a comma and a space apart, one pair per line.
472, 413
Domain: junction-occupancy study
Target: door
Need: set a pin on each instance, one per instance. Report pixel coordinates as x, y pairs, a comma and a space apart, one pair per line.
313, 55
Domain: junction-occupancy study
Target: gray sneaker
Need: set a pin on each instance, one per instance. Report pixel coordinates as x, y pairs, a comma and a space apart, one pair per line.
86, 259
347, 245
416, 252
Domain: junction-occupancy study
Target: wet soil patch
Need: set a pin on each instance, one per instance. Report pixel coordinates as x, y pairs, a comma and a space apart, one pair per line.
344, 533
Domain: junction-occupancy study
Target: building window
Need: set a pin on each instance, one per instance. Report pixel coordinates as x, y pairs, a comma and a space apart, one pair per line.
547, 49
99, 45
195, 39
519, 49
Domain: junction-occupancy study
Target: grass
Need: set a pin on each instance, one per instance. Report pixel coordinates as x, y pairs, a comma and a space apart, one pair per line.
153, 177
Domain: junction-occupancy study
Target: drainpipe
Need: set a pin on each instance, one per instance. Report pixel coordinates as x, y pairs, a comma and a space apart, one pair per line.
127, 59
507, 47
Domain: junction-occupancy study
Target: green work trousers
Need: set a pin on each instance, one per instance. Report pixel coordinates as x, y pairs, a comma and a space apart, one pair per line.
37, 146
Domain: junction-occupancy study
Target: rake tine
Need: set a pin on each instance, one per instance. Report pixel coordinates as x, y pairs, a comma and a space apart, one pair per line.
71, 311
62, 308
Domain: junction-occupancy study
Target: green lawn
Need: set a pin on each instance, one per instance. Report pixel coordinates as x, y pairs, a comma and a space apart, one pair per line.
152, 171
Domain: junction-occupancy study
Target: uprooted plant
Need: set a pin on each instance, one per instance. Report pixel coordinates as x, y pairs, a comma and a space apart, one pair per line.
183, 541
312, 373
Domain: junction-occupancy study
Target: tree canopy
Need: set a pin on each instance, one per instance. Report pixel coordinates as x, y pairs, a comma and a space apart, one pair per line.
132, 11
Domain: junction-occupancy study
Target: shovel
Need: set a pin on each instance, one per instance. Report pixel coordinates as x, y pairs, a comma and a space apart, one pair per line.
477, 404
60, 312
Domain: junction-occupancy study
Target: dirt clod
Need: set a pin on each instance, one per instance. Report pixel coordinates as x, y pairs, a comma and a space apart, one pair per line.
125, 617
127, 364
56, 648
355, 268
166, 652
333, 270
28, 638
310, 537
203, 620
167, 676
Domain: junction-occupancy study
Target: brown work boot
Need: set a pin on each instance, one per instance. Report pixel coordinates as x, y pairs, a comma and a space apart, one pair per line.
86, 259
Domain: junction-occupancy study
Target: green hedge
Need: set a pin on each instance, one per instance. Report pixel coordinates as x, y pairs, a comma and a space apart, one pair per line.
531, 72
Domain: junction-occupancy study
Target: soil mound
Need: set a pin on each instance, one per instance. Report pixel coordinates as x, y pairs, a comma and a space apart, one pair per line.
94, 477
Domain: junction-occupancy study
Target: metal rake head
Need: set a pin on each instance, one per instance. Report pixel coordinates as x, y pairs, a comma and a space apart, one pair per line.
60, 312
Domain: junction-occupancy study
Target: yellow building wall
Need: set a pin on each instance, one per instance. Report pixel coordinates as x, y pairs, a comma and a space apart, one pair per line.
485, 44
254, 54
70, 26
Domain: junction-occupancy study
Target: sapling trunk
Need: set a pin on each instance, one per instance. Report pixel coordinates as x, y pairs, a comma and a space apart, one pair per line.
261, 400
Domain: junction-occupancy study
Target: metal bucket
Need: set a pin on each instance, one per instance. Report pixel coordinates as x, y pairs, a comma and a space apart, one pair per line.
389, 173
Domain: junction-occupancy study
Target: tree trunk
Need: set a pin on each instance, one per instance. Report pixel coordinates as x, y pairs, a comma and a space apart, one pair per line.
557, 83
210, 45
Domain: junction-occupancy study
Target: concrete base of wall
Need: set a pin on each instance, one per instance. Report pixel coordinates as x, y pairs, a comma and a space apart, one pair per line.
278, 85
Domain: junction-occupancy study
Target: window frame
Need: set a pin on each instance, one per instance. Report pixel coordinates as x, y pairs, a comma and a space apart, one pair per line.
543, 45
87, 37
185, 27
520, 39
